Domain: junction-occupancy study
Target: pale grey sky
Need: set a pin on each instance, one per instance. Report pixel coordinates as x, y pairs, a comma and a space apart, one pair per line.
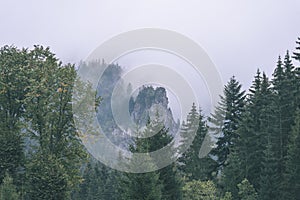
239, 36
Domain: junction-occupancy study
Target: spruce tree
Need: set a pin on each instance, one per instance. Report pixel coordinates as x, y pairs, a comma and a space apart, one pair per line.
284, 83
232, 103
296, 54
147, 185
232, 174
291, 183
192, 166
269, 178
254, 129
189, 128
92, 186
269, 182
168, 176
257, 140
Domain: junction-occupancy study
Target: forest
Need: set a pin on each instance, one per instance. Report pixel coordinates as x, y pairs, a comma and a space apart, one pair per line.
256, 155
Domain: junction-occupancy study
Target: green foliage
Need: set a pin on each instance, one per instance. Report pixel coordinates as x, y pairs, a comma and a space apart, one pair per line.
297, 53
227, 196
247, 191
145, 186
141, 185
13, 89
51, 126
291, 183
189, 129
35, 101
47, 178
11, 150
193, 166
285, 105
256, 128
98, 183
269, 182
258, 137
232, 105
168, 176
8, 190
232, 174
199, 190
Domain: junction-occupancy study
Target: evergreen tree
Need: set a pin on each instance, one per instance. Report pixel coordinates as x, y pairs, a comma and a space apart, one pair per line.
144, 186
8, 190
254, 129
99, 182
246, 158
92, 186
232, 175
189, 129
232, 104
296, 54
269, 178
284, 83
227, 196
291, 184
199, 190
268, 184
191, 165
171, 182
247, 191
111, 178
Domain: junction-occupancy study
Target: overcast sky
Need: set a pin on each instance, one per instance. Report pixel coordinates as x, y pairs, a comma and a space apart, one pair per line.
239, 36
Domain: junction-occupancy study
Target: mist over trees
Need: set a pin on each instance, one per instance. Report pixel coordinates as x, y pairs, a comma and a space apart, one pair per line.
257, 131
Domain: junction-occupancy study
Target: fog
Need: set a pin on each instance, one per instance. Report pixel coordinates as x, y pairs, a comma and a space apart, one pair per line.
239, 36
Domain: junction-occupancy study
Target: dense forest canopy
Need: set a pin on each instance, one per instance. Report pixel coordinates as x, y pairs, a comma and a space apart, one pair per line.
256, 155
